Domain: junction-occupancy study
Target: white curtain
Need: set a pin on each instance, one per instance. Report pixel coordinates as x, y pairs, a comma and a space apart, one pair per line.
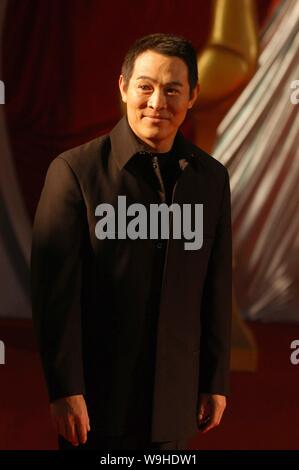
258, 141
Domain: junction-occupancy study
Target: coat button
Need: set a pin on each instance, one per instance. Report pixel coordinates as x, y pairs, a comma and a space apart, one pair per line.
159, 245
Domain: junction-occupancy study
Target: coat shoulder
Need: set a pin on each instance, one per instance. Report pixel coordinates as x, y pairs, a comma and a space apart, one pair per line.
85, 157
209, 162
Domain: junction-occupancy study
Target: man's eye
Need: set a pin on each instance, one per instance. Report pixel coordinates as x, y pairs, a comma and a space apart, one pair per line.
172, 91
144, 87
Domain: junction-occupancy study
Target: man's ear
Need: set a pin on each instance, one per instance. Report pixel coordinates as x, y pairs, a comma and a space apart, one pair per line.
122, 88
194, 95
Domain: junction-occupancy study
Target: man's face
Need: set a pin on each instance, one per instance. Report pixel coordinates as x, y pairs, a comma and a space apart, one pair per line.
157, 98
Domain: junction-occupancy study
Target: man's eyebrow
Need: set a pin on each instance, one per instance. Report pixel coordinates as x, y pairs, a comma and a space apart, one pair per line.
173, 82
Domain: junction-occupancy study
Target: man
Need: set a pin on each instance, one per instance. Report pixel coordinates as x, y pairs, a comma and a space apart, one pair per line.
134, 331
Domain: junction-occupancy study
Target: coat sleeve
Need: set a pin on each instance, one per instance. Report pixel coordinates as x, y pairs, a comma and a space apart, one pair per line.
55, 280
216, 310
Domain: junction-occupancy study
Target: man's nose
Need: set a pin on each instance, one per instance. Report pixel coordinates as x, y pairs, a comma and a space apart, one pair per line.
157, 100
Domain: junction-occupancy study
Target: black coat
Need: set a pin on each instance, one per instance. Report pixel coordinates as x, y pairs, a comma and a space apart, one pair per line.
97, 318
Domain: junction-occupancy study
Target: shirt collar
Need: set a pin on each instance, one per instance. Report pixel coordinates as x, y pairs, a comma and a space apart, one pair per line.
125, 144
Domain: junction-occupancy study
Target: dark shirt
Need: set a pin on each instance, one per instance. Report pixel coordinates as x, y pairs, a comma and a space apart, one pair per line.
170, 171
166, 168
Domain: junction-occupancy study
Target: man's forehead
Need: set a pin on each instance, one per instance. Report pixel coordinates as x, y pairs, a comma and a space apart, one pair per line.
146, 77
149, 63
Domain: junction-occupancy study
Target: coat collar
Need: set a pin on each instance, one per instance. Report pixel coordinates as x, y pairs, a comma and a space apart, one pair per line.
125, 144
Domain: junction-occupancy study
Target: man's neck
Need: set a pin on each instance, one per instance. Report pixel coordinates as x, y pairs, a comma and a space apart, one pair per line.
158, 147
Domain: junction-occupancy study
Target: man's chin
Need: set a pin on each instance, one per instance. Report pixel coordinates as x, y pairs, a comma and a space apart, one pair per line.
154, 131
154, 137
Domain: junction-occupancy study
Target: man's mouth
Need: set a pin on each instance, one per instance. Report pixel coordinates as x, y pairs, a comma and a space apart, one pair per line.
156, 118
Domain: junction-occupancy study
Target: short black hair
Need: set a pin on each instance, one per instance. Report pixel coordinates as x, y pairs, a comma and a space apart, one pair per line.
165, 44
